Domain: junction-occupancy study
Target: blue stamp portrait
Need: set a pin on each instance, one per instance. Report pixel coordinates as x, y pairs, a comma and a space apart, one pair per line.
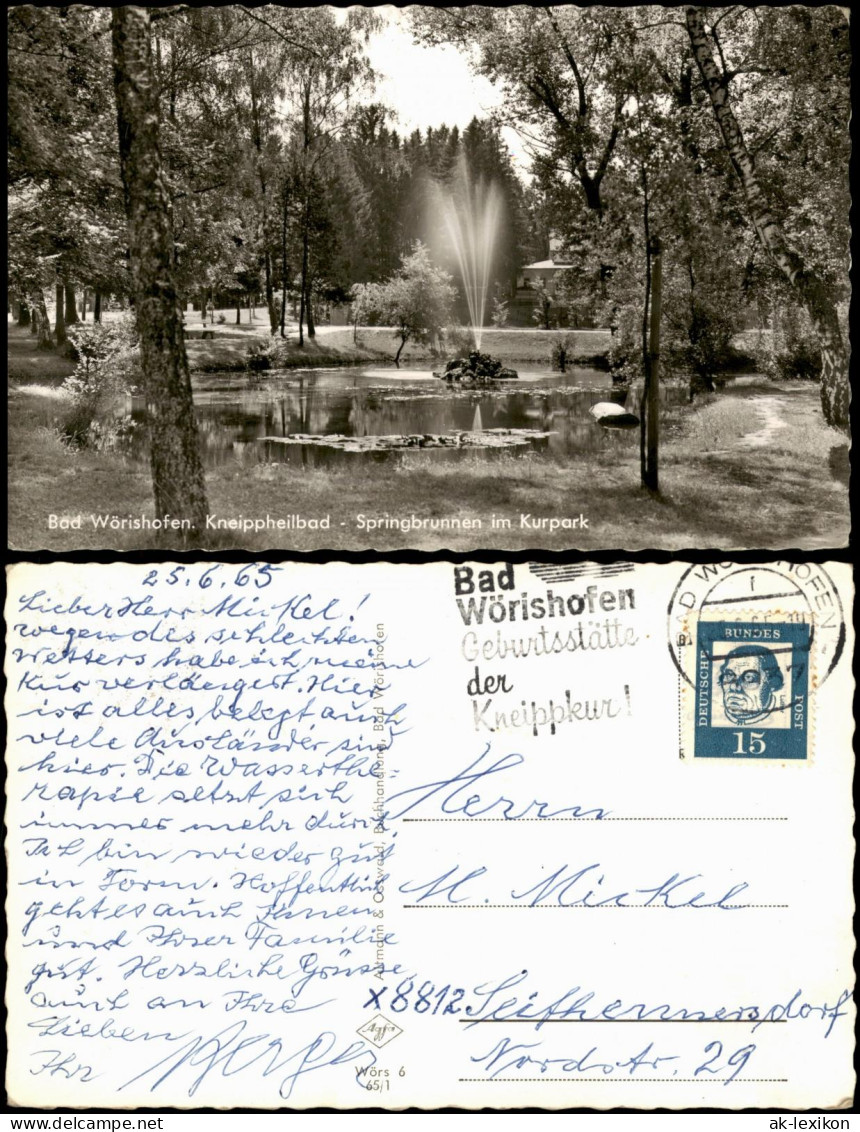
752, 690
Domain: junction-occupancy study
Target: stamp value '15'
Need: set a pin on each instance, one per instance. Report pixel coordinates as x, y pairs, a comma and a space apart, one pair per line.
751, 690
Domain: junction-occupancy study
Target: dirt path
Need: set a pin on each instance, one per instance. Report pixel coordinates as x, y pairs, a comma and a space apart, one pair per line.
770, 421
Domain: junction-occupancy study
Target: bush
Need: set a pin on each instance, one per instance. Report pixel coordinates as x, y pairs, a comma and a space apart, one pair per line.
709, 348
107, 371
271, 356
625, 352
795, 353
800, 361
561, 352
499, 316
542, 313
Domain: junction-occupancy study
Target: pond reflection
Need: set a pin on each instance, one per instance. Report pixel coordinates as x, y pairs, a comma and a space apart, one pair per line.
237, 412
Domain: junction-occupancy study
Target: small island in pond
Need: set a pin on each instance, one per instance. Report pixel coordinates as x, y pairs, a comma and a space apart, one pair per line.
477, 367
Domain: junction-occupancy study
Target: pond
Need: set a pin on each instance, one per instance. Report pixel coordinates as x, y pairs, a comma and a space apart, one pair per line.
237, 412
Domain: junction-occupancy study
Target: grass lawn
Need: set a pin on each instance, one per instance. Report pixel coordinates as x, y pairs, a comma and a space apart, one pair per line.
224, 353
729, 479
508, 344
26, 364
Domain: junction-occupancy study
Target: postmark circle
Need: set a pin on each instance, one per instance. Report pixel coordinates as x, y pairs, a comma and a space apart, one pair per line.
778, 590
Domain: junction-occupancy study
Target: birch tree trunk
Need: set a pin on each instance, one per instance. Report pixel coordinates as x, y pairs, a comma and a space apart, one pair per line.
813, 292
177, 472
41, 324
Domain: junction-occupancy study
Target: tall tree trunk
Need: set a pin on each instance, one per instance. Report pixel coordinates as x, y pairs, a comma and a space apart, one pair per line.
306, 223
23, 313
403, 342
257, 140
651, 392
238, 314
304, 280
643, 421
270, 294
309, 312
306, 208
97, 307
40, 322
71, 307
84, 305
59, 315
646, 306
177, 472
813, 292
284, 268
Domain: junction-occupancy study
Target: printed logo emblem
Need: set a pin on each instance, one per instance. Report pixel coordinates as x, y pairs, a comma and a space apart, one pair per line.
379, 1031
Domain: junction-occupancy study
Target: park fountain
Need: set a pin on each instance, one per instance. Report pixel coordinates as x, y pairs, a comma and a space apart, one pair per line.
472, 211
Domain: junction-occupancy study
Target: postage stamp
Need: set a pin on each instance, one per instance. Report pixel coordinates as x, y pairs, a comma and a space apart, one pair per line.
750, 697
